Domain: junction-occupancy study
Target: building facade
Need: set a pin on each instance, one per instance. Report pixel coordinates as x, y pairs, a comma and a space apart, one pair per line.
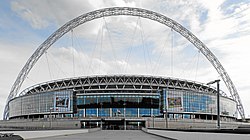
128, 97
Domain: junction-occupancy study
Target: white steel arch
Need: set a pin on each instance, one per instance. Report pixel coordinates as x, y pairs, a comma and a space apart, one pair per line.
116, 11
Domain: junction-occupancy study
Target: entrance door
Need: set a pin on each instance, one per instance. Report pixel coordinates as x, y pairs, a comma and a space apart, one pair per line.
123, 125
135, 125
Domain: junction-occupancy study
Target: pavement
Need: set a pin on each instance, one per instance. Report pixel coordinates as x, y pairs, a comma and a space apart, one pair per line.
181, 135
106, 135
46, 133
97, 134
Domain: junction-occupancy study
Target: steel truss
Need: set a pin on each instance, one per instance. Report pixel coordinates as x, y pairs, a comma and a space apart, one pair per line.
116, 11
116, 83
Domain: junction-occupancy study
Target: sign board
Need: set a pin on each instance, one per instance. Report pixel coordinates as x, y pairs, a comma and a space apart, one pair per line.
62, 101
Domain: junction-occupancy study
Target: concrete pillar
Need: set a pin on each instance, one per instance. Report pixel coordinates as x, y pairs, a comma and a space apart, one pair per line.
125, 124
138, 112
97, 112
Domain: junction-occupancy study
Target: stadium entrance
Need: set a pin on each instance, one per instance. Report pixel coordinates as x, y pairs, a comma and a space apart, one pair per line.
114, 124
122, 125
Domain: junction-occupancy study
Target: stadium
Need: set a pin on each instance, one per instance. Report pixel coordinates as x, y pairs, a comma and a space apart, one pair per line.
111, 100
122, 101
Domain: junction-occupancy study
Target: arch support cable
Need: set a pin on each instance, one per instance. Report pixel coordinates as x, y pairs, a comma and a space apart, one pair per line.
116, 11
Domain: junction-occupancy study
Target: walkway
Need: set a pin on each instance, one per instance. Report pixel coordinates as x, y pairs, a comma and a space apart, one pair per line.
107, 135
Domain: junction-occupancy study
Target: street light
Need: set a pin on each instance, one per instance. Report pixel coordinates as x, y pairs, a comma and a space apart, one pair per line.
165, 112
50, 109
29, 112
153, 121
124, 110
101, 114
124, 113
218, 100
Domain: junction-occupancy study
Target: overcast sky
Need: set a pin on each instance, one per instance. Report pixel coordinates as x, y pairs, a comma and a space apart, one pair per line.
125, 45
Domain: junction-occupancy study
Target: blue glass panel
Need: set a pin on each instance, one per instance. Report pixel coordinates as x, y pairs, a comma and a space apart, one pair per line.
156, 112
103, 112
80, 101
117, 112
186, 116
91, 112
145, 112
81, 113
131, 112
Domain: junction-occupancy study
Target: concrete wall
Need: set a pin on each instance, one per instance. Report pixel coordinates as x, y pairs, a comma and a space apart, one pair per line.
187, 123
158, 123
41, 124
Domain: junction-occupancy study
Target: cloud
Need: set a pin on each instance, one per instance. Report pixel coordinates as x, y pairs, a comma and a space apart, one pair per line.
224, 29
226, 33
27, 14
41, 14
12, 58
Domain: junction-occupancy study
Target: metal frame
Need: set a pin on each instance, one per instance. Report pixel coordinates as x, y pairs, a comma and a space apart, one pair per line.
119, 85
116, 83
116, 11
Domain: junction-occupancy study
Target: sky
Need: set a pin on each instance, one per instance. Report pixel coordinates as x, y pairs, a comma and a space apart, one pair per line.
125, 45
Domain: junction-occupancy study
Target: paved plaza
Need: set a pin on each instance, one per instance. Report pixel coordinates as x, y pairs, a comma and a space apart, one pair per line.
107, 135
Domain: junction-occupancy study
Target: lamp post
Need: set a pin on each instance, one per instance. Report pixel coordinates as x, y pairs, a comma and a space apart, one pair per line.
29, 112
124, 113
165, 112
153, 121
50, 109
101, 114
124, 110
218, 100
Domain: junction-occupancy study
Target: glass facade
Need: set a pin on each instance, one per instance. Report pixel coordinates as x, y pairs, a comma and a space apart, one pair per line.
118, 105
174, 101
195, 102
178, 103
42, 103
